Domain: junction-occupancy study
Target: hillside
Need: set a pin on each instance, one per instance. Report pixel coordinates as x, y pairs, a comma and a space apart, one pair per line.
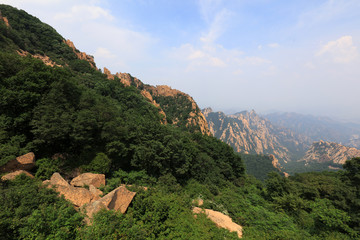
330, 152
247, 132
156, 173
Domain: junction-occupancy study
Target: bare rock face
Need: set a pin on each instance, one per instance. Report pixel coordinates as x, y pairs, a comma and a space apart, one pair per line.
89, 179
248, 132
4, 19
81, 55
108, 74
118, 200
96, 193
277, 165
194, 118
221, 220
322, 152
57, 180
12, 176
24, 162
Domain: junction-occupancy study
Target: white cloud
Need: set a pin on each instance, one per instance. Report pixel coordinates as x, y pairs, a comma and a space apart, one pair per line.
273, 45
84, 13
341, 50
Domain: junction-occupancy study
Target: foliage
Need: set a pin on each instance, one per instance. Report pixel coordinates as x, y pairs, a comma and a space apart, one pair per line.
30, 211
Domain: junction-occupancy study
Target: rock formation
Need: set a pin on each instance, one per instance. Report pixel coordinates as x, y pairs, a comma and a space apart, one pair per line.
221, 220
46, 60
81, 55
119, 200
13, 175
24, 162
277, 165
331, 152
4, 19
247, 132
77, 196
88, 179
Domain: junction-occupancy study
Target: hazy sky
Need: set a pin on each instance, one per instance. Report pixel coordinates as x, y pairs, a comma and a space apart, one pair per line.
267, 55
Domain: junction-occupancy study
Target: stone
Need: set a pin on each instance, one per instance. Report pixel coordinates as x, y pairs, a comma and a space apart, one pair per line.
57, 180
24, 162
77, 196
89, 179
220, 219
118, 200
95, 193
12, 175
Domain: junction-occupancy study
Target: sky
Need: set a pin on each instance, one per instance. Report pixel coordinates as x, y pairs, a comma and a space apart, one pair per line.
231, 55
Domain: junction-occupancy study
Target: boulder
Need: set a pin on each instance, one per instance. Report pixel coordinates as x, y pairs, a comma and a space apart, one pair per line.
95, 193
118, 200
57, 180
24, 162
221, 220
89, 179
12, 175
78, 196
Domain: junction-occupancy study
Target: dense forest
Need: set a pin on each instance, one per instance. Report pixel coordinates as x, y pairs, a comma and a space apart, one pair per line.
72, 117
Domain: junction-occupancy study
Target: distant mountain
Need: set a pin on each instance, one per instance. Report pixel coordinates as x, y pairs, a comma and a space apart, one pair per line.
247, 132
330, 152
318, 128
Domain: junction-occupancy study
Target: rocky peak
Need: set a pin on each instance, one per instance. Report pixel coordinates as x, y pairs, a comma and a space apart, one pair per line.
331, 152
206, 111
248, 132
108, 74
81, 55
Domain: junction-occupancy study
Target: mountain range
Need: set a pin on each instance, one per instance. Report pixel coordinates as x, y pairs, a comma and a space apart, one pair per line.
289, 137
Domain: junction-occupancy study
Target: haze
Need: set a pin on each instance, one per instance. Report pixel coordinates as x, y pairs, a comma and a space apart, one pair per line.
267, 55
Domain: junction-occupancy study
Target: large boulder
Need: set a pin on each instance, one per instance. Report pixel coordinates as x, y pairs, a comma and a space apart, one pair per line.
118, 200
12, 175
221, 220
77, 196
24, 162
89, 179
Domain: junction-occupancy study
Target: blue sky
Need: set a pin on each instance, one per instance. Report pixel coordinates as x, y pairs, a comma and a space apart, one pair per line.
231, 55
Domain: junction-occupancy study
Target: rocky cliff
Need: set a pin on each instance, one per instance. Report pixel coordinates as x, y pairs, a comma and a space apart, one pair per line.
322, 152
178, 108
247, 132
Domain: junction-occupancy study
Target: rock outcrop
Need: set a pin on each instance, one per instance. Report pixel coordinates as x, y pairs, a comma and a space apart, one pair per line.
4, 19
77, 196
13, 175
118, 200
221, 220
81, 55
24, 162
90, 200
331, 152
88, 179
247, 132
45, 59
277, 165
194, 118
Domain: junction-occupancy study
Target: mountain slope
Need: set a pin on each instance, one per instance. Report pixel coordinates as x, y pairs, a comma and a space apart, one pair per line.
318, 128
73, 117
247, 132
322, 152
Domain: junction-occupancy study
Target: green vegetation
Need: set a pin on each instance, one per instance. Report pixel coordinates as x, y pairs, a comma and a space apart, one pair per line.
73, 117
258, 166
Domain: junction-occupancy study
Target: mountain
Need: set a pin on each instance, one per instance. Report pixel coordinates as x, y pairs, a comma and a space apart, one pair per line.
247, 132
178, 108
330, 152
318, 128
176, 181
